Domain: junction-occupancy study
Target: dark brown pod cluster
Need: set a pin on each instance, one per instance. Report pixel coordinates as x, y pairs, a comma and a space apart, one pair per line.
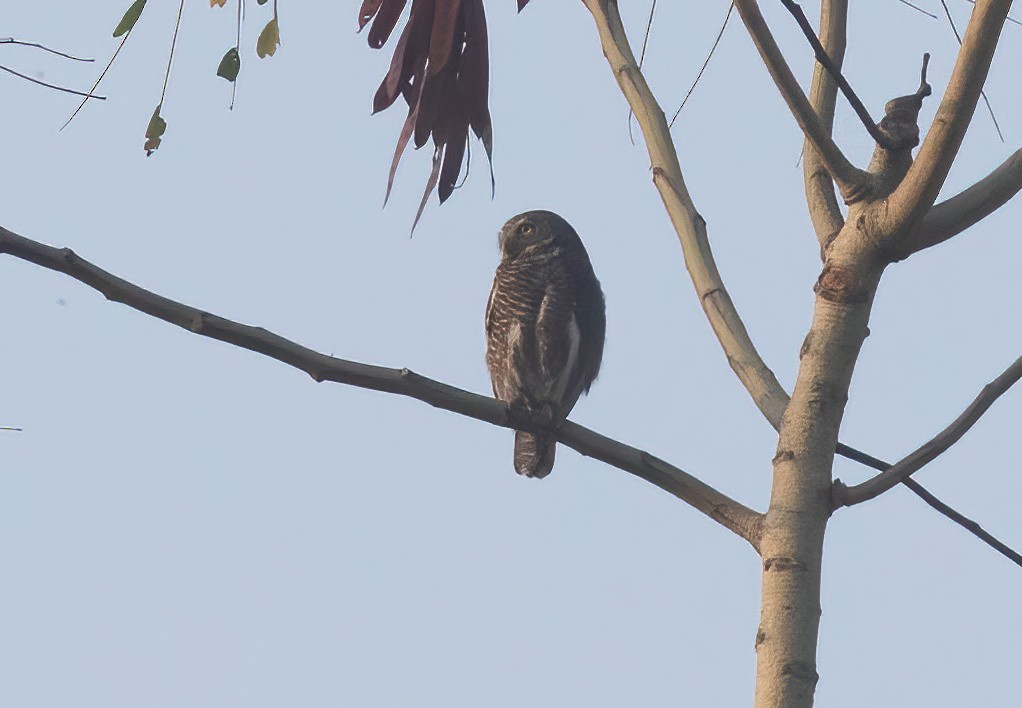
441, 69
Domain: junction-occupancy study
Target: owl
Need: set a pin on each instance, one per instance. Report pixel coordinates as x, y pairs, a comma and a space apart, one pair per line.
545, 325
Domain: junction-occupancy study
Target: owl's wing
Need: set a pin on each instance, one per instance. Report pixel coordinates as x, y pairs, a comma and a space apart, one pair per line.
590, 312
558, 339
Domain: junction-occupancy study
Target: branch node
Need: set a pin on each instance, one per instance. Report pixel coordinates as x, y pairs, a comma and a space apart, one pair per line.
198, 322
840, 285
838, 498
760, 637
801, 671
709, 293
900, 125
781, 564
783, 456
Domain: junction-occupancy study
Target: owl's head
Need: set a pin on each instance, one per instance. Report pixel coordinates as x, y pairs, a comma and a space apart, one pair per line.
535, 232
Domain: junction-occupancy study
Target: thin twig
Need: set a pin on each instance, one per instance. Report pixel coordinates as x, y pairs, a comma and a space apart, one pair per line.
919, 490
852, 181
964, 521
173, 45
53, 86
36, 45
101, 75
726, 511
926, 453
917, 192
918, 9
821, 56
982, 94
748, 365
706, 62
645, 39
642, 58
237, 48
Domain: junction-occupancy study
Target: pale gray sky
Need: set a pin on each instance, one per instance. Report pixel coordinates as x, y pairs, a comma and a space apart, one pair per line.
187, 524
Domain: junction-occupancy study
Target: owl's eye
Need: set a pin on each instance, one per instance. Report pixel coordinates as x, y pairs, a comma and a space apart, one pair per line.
526, 230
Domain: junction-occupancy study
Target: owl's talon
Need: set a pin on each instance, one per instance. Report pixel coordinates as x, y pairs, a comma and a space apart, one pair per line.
531, 414
543, 415
519, 411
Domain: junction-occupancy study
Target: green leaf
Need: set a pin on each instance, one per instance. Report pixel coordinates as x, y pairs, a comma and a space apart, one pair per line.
269, 39
130, 18
230, 65
154, 131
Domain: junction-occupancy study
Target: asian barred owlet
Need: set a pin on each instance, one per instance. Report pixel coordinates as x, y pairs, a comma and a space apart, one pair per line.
545, 324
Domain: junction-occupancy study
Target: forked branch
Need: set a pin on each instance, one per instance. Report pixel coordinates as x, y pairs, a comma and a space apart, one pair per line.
959, 518
726, 511
819, 186
850, 180
918, 191
849, 496
741, 353
823, 58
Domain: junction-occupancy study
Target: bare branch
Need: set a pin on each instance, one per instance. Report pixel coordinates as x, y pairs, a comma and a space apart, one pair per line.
87, 96
961, 519
982, 94
824, 59
955, 215
741, 353
918, 9
918, 191
965, 522
819, 187
849, 496
726, 511
36, 45
850, 180
702, 69
642, 58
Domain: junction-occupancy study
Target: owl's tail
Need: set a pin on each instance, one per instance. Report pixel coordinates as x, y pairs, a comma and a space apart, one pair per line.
534, 454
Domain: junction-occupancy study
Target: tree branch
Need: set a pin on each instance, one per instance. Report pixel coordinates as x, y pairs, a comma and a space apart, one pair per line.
752, 371
849, 496
918, 191
850, 180
86, 95
954, 215
741, 353
819, 187
726, 511
824, 59
961, 519
36, 45
965, 522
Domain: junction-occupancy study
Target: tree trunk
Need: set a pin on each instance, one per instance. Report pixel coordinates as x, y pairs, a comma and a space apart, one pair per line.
800, 503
